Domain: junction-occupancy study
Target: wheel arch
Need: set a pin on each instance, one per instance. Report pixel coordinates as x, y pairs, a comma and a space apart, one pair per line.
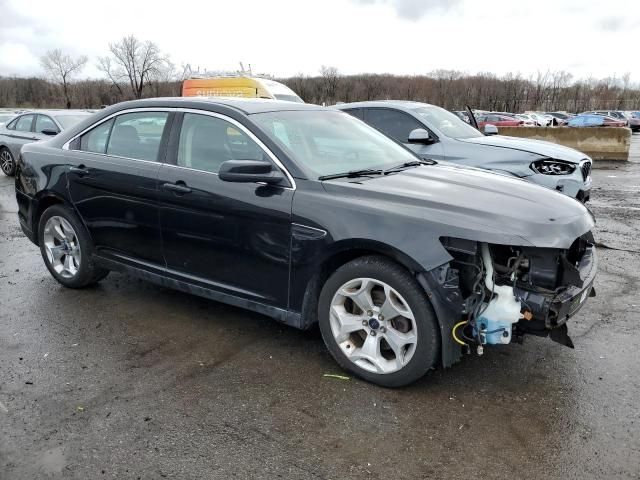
338, 254
445, 303
44, 200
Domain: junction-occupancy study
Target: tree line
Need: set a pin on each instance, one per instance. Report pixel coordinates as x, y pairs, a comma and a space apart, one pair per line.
139, 69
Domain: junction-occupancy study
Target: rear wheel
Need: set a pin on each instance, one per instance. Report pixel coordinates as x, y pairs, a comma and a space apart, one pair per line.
7, 162
377, 322
67, 249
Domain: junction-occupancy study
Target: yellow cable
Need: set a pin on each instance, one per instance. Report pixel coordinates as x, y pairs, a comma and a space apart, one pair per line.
453, 332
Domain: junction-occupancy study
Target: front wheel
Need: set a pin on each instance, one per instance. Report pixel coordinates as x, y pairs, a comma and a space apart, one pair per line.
67, 249
378, 323
7, 162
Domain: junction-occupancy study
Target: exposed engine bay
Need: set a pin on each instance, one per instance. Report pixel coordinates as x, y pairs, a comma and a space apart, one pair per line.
509, 291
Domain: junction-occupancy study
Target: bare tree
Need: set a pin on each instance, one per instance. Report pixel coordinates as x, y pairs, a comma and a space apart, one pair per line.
133, 61
61, 67
330, 79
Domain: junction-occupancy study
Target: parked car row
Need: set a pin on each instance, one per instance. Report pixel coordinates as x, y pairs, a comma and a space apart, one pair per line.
364, 218
596, 118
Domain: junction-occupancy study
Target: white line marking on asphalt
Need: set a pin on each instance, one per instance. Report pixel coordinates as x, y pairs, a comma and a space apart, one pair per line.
3, 408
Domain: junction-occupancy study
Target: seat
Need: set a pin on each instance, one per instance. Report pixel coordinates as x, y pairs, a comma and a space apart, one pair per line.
124, 142
210, 146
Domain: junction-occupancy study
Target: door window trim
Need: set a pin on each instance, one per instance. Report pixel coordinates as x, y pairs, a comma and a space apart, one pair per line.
162, 158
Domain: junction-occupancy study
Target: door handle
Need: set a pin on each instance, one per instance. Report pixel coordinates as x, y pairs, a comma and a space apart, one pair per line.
176, 187
80, 170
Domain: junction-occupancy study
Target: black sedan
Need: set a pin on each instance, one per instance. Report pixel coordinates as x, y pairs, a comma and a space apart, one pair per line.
309, 216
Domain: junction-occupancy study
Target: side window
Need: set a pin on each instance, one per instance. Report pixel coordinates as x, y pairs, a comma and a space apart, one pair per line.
356, 112
12, 124
95, 140
24, 123
206, 142
44, 122
396, 125
137, 135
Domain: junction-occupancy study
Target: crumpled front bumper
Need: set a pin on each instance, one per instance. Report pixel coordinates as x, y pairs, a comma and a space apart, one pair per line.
551, 311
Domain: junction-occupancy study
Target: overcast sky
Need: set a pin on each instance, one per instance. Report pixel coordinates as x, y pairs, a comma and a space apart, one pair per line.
284, 37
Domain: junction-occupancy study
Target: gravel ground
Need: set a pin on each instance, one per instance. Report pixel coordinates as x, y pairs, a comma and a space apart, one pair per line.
130, 380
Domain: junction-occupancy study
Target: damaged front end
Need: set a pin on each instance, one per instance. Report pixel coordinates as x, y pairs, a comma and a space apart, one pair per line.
508, 291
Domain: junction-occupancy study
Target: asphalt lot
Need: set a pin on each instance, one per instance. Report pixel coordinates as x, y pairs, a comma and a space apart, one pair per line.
130, 380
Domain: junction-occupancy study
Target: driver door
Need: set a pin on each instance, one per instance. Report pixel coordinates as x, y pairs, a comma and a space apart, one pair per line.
231, 237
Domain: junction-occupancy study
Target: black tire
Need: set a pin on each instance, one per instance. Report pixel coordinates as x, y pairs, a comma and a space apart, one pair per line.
382, 269
7, 162
87, 273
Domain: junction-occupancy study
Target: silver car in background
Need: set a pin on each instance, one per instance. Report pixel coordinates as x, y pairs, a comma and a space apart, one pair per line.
437, 134
30, 127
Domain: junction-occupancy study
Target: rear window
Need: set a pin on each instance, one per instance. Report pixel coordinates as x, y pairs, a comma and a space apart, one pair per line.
68, 121
95, 140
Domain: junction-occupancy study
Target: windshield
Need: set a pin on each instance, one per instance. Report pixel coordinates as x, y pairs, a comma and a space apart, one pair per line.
68, 121
446, 122
5, 118
328, 142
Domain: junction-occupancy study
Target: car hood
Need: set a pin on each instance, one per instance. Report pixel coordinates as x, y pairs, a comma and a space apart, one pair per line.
538, 147
446, 200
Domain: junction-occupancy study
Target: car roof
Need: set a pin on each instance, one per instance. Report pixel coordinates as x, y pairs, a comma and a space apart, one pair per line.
55, 112
247, 106
406, 105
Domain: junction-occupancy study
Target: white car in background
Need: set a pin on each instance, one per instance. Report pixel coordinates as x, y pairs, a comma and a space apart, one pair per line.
527, 119
540, 119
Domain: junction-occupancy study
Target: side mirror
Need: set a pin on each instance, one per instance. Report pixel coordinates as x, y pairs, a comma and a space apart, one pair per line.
490, 129
49, 131
420, 135
249, 171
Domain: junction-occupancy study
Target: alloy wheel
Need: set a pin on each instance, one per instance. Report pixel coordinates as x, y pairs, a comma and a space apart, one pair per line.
62, 247
373, 325
6, 161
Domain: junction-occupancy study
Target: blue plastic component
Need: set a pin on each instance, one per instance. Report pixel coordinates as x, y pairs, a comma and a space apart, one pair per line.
492, 332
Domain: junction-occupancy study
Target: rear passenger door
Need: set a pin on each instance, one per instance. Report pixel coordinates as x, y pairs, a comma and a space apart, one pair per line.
398, 125
231, 237
112, 182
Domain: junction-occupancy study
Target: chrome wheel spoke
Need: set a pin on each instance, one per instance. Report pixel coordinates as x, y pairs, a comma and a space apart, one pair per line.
370, 353
346, 323
398, 342
393, 306
361, 295
67, 230
56, 252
